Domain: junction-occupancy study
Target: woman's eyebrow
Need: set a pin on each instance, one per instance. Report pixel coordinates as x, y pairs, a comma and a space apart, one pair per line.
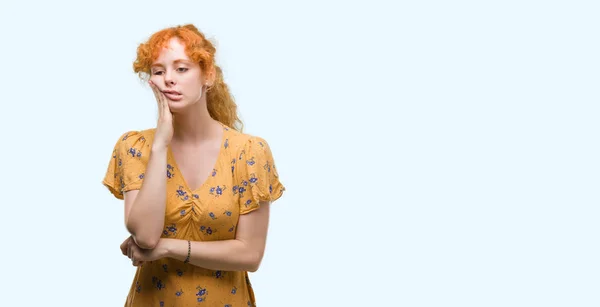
176, 61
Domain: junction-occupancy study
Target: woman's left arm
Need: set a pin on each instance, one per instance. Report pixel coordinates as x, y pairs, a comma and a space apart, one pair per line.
244, 253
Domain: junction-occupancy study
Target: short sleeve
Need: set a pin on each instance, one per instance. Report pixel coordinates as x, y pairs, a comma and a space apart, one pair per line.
257, 175
126, 167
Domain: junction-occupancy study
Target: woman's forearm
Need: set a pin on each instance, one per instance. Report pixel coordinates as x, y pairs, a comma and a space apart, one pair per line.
145, 219
226, 255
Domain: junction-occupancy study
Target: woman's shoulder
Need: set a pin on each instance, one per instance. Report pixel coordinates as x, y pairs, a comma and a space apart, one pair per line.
242, 141
136, 137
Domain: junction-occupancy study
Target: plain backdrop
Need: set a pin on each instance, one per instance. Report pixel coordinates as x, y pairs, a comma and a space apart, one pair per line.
435, 153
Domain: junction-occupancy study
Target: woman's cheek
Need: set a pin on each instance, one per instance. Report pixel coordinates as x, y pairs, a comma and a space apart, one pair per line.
155, 79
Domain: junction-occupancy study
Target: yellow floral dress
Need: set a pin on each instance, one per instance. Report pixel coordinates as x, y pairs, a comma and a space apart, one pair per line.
243, 175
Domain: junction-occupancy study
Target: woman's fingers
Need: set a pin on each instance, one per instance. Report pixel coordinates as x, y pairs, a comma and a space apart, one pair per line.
157, 93
137, 263
129, 251
165, 105
123, 246
164, 125
161, 100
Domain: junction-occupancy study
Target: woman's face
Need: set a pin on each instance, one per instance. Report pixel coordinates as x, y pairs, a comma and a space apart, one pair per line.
177, 76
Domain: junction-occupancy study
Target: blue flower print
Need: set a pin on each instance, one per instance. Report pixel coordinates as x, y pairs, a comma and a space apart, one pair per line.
232, 165
201, 292
164, 266
170, 230
138, 288
207, 230
179, 293
231, 229
182, 212
182, 194
125, 136
251, 161
141, 176
120, 162
214, 172
235, 189
241, 190
218, 274
226, 143
170, 170
212, 216
234, 290
196, 196
161, 304
228, 213
248, 202
160, 285
179, 272
134, 153
227, 305
253, 179
217, 191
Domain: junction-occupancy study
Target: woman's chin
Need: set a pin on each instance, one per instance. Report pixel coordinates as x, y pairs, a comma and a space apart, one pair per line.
176, 106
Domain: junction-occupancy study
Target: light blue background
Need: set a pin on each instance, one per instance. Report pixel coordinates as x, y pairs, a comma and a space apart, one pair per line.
436, 153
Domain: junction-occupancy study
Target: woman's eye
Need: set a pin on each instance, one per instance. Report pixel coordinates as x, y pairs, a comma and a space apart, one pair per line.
182, 69
157, 72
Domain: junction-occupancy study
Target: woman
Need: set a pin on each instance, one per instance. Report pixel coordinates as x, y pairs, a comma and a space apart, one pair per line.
196, 189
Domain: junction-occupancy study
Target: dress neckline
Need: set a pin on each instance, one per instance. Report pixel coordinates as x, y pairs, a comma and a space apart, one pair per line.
184, 182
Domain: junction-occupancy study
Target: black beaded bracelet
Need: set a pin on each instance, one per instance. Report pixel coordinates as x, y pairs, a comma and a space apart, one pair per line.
187, 259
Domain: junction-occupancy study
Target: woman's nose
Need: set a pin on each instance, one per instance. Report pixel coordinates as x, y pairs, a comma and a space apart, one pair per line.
169, 79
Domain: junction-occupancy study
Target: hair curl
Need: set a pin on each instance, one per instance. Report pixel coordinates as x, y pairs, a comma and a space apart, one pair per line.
220, 103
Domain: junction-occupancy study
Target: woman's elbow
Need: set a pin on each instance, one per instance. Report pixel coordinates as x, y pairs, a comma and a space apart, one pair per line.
144, 241
254, 262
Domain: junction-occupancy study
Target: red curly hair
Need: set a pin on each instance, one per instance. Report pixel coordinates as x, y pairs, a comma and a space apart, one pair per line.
220, 103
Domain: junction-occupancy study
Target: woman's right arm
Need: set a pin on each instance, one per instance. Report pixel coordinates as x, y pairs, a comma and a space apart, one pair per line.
145, 208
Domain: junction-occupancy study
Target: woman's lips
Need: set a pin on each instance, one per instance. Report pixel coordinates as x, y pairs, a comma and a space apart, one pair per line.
173, 96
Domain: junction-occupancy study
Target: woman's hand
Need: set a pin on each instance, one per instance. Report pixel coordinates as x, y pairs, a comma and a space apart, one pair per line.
139, 255
164, 127
125, 250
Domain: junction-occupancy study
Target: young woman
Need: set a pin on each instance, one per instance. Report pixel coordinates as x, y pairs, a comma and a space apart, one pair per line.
196, 189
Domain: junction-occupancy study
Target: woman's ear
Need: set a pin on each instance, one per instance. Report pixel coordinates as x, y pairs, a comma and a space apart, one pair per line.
212, 76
